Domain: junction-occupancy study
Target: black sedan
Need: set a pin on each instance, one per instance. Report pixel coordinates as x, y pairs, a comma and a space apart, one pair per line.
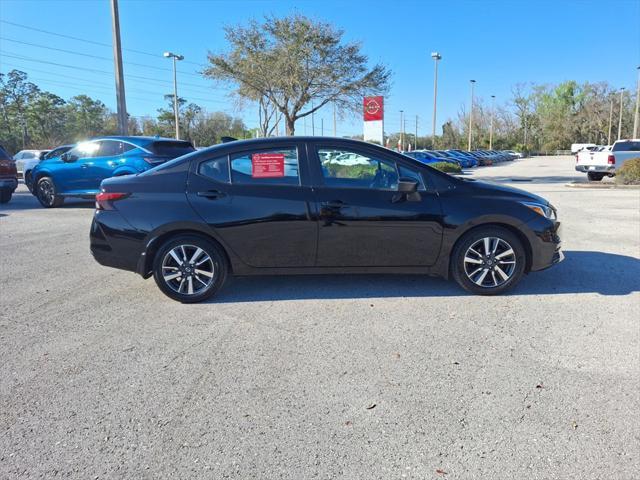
295, 205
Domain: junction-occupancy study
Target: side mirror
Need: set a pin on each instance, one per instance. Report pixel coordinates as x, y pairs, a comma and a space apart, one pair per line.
407, 185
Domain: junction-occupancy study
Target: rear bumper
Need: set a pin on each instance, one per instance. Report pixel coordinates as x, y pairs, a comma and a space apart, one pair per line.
9, 183
106, 238
596, 168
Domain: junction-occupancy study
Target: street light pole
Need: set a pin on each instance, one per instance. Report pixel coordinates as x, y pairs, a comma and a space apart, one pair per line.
415, 140
401, 130
175, 57
620, 116
610, 121
636, 117
436, 57
334, 120
117, 57
471, 115
493, 103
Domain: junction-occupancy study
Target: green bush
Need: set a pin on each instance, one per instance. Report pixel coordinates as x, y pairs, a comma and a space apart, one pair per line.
447, 167
629, 173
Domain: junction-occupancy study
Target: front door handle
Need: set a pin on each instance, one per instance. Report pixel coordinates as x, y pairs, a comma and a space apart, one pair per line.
84, 165
212, 194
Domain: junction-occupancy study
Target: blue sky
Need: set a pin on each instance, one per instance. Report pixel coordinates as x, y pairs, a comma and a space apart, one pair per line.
497, 43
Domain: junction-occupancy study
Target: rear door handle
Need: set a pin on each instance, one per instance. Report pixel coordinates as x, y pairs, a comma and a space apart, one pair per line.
212, 194
334, 204
84, 165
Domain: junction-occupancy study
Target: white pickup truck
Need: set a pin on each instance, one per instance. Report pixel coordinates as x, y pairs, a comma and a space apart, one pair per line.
598, 165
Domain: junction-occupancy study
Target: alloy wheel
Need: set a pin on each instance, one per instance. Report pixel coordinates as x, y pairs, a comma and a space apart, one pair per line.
490, 262
46, 192
188, 270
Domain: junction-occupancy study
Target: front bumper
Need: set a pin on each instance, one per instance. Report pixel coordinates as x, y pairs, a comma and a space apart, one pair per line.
596, 168
9, 183
545, 240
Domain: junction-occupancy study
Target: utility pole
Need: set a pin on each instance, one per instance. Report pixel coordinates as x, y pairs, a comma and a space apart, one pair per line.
415, 140
620, 117
176, 111
322, 127
313, 123
636, 117
335, 134
436, 57
610, 122
493, 108
401, 130
123, 121
471, 115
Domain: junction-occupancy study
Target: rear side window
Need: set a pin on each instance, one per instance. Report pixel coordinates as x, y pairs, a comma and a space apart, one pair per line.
110, 148
266, 167
216, 169
170, 149
627, 147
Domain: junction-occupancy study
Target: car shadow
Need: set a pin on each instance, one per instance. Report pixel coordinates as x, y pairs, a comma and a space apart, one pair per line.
581, 272
24, 200
533, 179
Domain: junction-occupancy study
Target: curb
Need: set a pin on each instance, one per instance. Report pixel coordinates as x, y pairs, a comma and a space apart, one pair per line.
601, 186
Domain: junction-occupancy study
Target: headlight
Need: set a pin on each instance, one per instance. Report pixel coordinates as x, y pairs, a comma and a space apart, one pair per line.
546, 211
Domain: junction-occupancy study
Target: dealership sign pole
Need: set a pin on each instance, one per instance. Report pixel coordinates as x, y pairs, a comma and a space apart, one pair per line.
373, 115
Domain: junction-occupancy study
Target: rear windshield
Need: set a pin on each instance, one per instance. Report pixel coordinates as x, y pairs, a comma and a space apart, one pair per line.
3, 154
626, 147
171, 149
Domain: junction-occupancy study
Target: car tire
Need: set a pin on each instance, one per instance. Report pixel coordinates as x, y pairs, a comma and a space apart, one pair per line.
595, 177
180, 279
46, 193
5, 195
28, 181
489, 272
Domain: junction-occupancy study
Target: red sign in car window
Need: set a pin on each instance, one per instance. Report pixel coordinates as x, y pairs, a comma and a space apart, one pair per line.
267, 165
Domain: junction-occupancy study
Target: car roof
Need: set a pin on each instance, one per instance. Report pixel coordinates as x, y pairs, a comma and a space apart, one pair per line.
138, 140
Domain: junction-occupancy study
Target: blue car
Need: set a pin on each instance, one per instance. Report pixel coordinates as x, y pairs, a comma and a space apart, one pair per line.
426, 157
78, 172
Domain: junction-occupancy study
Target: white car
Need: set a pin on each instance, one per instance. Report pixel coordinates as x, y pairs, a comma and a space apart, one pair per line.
598, 165
27, 159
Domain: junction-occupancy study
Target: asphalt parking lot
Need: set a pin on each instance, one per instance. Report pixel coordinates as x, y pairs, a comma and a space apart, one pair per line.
357, 377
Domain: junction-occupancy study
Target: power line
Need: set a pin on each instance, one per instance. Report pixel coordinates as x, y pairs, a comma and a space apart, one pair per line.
93, 42
93, 70
72, 52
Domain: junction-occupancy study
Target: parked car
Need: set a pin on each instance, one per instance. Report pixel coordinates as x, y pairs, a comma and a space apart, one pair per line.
28, 165
79, 171
601, 164
27, 159
193, 221
463, 160
8, 176
422, 156
515, 154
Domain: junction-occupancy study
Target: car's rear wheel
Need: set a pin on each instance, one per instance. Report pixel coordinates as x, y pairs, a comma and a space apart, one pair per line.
47, 193
595, 177
5, 195
488, 261
189, 268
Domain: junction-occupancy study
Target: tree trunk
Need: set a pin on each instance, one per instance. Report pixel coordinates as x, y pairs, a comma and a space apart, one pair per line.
291, 126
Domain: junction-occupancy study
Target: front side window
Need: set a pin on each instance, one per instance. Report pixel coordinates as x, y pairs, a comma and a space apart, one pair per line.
350, 169
84, 150
266, 167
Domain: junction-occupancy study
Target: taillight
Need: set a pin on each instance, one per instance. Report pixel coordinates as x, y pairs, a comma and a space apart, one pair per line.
611, 160
104, 199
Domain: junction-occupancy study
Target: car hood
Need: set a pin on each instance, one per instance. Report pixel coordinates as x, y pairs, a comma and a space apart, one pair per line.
499, 189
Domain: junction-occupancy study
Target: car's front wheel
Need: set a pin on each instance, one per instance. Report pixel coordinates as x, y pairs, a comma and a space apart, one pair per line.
488, 260
189, 268
47, 194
